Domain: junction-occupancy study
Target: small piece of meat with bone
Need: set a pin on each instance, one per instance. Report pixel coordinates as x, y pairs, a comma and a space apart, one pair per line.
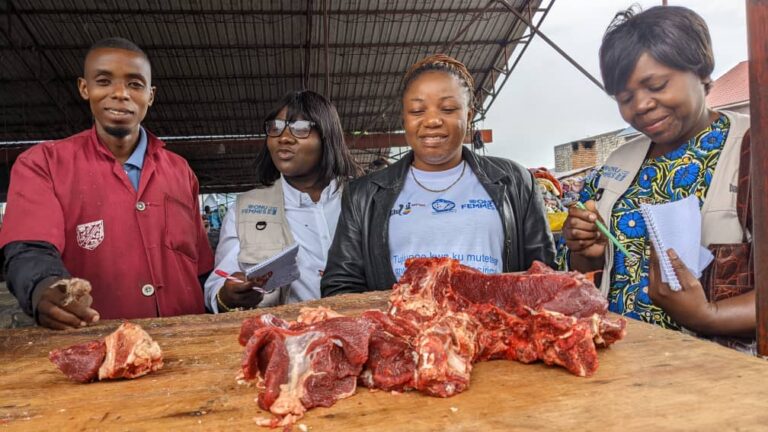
131, 353
128, 352
308, 367
75, 290
80, 362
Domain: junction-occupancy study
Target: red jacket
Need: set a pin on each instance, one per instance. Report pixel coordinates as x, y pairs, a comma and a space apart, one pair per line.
142, 251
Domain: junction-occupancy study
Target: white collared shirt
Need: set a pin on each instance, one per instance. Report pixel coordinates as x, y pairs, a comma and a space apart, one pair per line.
313, 225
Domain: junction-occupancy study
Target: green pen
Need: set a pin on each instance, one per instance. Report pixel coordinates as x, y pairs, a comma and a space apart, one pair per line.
603, 229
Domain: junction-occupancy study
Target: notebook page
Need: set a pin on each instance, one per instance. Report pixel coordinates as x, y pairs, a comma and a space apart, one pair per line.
667, 271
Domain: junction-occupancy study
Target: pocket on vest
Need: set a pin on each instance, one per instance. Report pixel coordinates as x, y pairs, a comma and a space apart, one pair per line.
180, 232
261, 239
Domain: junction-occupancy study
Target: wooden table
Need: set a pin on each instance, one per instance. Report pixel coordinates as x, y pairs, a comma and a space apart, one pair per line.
652, 380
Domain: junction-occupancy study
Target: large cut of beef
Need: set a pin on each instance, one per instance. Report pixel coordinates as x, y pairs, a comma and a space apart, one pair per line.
443, 317
540, 314
128, 352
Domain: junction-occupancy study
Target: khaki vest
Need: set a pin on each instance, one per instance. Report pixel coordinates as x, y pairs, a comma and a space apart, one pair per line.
263, 231
720, 223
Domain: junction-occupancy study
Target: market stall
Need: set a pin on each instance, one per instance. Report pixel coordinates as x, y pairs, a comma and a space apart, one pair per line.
652, 378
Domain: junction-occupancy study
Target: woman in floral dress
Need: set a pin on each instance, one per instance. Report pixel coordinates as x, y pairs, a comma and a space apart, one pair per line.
657, 65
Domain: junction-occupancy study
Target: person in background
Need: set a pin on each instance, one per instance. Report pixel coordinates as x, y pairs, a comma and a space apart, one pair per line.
214, 222
303, 172
440, 199
110, 205
657, 64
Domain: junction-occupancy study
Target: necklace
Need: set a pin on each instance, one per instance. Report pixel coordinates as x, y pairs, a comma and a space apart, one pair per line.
463, 168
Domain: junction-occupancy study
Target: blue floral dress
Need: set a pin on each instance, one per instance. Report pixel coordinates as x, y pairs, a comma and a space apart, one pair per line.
678, 174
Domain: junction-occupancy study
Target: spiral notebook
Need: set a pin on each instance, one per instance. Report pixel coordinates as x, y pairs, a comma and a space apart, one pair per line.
677, 225
279, 270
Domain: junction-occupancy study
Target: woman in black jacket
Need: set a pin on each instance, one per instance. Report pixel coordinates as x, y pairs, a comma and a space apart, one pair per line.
440, 199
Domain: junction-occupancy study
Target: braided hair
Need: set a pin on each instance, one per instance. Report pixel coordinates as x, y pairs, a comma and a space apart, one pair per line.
442, 63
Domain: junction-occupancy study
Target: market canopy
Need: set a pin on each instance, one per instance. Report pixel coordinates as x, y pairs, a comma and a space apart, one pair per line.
219, 67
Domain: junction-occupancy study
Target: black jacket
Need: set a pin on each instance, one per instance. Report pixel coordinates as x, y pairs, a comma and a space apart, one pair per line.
359, 258
27, 264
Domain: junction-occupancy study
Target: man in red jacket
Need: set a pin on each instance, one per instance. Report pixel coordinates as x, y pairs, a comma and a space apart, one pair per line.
110, 205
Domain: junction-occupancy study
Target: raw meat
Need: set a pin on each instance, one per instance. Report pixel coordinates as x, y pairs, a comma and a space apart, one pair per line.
445, 349
391, 359
131, 353
250, 325
540, 314
128, 352
443, 317
315, 315
75, 291
299, 369
80, 362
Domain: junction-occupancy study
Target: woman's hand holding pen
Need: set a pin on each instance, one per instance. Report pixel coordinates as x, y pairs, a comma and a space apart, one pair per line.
239, 294
581, 233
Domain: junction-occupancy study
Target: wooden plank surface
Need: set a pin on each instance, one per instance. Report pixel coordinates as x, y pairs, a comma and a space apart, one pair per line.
652, 379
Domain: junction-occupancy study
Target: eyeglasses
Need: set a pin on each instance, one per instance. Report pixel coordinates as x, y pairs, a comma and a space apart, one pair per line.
298, 128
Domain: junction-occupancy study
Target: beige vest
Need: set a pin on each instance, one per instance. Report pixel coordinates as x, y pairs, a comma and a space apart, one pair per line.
720, 223
263, 231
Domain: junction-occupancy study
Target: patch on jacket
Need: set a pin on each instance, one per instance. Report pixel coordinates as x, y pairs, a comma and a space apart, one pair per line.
90, 235
259, 209
614, 173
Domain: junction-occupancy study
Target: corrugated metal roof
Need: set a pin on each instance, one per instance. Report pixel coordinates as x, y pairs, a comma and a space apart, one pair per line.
220, 66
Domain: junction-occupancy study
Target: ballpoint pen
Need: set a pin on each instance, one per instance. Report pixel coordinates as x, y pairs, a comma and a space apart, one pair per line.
603, 229
227, 276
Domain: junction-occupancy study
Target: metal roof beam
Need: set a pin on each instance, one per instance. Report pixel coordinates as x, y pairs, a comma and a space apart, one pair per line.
549, 42
158, 121
36, 47
282, 46
525, 42
162, 78
81, 12
55, 101
235, 149
203, 102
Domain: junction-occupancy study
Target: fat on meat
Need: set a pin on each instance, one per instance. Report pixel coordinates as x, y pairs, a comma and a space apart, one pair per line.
442, 318
313, 365
128, 352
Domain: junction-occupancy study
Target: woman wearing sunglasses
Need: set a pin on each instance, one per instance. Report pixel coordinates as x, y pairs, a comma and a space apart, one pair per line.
301, 174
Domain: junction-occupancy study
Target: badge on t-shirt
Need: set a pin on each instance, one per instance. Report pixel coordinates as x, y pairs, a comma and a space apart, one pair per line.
90, 235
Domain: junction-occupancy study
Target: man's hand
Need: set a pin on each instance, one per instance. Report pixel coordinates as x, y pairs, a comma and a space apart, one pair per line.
239, 295
689, 306
58, 310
